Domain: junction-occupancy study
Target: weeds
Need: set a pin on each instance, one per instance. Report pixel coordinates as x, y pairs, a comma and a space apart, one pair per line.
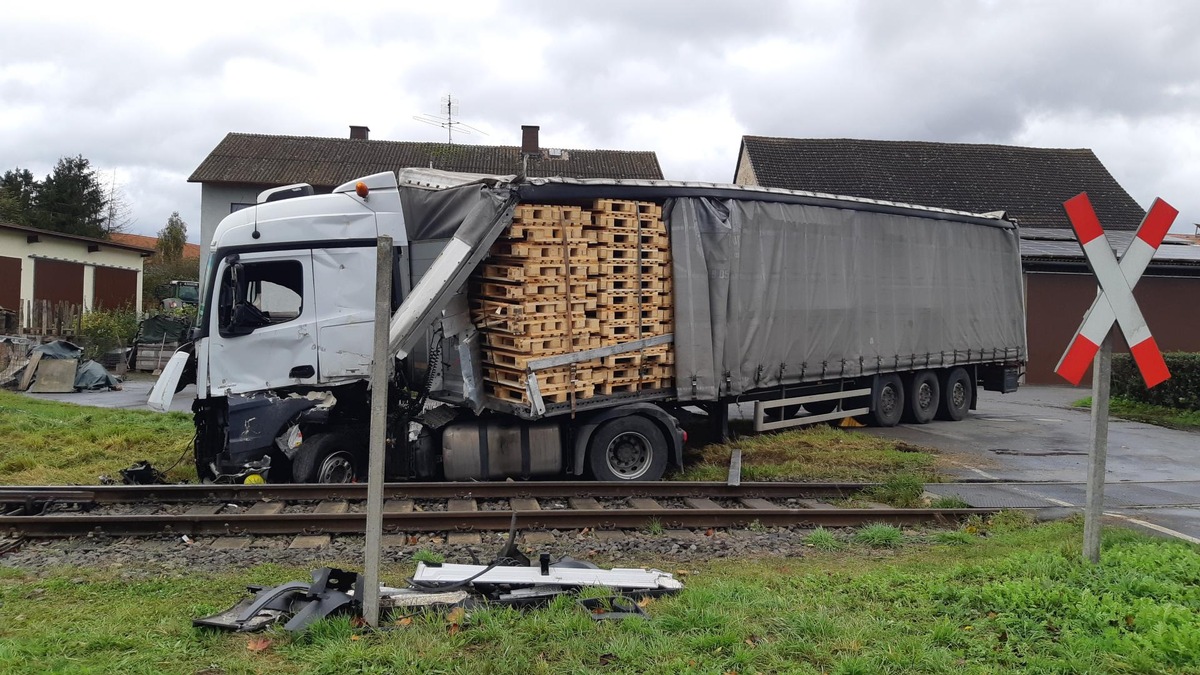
654, 527
823, 539
428, 557
879, 535
954, 538
903, 491
813, 454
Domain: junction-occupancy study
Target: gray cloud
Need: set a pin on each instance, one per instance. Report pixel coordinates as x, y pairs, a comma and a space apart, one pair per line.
148, 96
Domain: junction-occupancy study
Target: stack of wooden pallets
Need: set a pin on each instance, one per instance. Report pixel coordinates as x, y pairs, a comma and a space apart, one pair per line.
563, 279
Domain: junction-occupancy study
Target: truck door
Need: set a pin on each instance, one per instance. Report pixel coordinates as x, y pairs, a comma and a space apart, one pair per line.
345, 308
263, 332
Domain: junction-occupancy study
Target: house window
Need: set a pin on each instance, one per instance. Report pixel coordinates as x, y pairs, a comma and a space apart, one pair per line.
238, 206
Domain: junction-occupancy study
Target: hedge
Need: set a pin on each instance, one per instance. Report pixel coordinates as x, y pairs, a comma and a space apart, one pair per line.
1181, 391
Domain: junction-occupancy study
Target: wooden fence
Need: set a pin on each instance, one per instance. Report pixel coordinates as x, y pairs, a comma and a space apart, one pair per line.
41, 317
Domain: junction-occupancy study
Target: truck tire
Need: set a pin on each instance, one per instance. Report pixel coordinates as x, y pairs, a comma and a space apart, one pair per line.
821, 407
329, 457
924, 397
887, 401
956, 395
629, 448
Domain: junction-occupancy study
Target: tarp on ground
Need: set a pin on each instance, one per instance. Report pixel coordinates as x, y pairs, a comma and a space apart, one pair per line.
89, 374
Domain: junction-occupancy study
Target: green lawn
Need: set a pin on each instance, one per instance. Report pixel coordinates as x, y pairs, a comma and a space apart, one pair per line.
51, 443
1011, 599
1172, 418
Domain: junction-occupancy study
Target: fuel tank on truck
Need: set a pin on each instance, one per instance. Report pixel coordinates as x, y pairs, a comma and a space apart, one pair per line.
487, 449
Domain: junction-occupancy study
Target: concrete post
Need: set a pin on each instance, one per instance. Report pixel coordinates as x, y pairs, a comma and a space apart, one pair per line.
380, 378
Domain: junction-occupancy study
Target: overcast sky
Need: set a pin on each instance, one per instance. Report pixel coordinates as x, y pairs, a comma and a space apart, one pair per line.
146, 90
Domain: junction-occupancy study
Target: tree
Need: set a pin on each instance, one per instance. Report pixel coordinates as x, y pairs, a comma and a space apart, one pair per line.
71, 200
172, 238
18, 189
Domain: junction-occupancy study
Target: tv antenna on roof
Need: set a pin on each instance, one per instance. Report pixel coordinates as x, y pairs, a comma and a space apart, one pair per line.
445, 119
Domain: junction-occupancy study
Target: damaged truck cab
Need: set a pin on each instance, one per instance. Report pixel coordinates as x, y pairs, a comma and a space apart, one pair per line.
283, 335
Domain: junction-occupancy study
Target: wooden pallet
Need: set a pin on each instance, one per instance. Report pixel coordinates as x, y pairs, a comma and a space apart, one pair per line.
651, 239
630, 254
624, 221
625, 206
541, 346
582, 390
544, 212
542, 232
658, 355
544, 325
624, 282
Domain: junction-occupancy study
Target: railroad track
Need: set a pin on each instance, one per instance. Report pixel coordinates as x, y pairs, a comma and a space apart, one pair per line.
324, 510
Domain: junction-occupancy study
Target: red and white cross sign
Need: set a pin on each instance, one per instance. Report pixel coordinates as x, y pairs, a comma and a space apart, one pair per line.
1115, 302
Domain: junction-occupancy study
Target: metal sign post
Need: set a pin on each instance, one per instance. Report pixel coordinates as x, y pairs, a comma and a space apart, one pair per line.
1114, 304
381, 373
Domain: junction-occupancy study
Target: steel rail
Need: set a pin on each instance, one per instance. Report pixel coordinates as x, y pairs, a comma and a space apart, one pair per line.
188, 493
51, 526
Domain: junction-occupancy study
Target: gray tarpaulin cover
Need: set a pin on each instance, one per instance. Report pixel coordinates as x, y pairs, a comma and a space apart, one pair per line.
88, 375
770, 293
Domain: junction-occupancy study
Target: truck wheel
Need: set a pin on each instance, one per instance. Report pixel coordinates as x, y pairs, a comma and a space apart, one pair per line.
956, 395
326, 458
924, 396
627, 448
781, 413
887, 401
820, 407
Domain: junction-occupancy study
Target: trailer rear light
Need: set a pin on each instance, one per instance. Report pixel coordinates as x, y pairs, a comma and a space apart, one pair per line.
361, 189
684, 435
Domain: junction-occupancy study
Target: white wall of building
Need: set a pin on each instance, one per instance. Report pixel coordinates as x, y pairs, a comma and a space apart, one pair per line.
216, 202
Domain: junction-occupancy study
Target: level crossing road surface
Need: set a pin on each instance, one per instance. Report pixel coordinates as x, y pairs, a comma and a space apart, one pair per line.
1152, 473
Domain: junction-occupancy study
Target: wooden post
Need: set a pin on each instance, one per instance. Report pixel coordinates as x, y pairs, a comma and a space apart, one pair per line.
380, 378
1101, 379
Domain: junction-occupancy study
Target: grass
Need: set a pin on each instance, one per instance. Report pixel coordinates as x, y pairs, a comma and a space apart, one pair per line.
1014, 601
817, 453
879, 535
52, 443
823, 539
1171, 418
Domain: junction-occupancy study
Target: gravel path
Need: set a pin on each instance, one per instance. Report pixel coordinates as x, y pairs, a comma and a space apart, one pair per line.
172, 556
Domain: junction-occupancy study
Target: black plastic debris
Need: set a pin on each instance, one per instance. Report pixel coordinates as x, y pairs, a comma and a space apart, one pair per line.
298, 602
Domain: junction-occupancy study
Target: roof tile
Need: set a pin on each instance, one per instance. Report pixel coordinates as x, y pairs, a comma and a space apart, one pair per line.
260, 159
1029, 183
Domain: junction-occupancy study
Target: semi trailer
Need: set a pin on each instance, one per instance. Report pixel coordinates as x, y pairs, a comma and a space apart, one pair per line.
640, 302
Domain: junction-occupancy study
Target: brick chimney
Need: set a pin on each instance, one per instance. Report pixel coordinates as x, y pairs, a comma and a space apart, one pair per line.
529, 140
359, 133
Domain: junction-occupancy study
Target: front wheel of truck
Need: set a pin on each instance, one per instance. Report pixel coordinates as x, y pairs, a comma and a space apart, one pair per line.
629, 448
326, 458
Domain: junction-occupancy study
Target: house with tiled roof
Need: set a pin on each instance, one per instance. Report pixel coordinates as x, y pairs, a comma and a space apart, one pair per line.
1029, 185
190, 251
242, 165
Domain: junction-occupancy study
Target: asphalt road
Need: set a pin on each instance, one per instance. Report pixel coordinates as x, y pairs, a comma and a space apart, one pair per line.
1152, 474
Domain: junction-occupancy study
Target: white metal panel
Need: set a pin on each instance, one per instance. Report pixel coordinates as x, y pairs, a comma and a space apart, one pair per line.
345, 306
